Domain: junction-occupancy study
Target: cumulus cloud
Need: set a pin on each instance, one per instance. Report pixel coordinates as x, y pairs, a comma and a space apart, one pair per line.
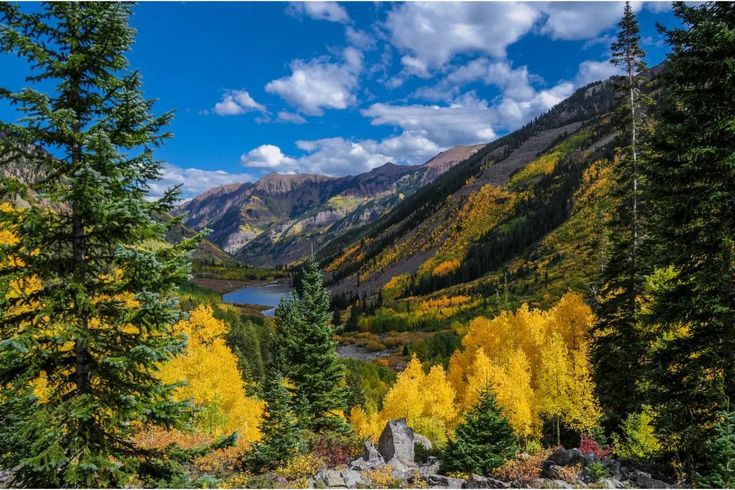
236, 102
320, 83
580, 20
329, 11
465, 120
432, 33
340, 156
591, 71
269, 157
194, 181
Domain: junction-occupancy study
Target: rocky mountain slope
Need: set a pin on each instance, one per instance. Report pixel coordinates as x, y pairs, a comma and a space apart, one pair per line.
516, 218
278, 219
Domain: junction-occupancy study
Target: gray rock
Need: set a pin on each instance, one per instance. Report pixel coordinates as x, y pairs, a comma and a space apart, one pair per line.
430, 467
558, 484
370, 453
477, 481
333, 479
613, 467
644, 480
611, 483
552, 471
442, 481
566, 457
422, 441
396, 441
352, 478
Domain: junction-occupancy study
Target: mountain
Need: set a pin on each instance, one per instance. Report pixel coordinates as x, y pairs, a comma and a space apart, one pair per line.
514, 221
278, 219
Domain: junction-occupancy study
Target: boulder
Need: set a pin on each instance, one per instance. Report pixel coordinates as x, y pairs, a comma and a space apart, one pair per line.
331, 478
611, 483
477, 481
442, 481
352, 478
552, 471
430, 467
566, 457
556, 483
370, 453
644, 480
396, 442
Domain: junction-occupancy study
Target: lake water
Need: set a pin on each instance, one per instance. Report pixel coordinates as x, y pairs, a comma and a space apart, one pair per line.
263, 295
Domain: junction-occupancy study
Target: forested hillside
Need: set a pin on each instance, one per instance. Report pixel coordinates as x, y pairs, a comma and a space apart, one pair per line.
507, 222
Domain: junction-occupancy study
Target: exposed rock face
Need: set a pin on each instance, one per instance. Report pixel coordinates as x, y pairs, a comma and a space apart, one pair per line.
276, 219
396, 441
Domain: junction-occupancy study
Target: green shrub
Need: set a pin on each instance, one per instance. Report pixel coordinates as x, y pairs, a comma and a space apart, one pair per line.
638, 440
597, 471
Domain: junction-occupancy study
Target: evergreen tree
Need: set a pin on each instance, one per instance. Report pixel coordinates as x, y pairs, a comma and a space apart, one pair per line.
690, 189
88, 305
720, 451
279, 428
309, 352
618, 349
483, 441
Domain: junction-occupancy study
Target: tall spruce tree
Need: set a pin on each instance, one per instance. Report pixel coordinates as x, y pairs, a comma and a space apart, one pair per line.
690, 189
617, 348
483, 441
88, 305
279, 428
309, 352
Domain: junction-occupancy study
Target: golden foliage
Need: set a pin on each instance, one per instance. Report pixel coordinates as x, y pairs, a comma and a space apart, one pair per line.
382, 477
536, 362
213, 381
426, 401
481, 211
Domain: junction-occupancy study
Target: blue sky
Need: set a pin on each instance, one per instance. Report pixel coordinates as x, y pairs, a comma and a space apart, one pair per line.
340, 88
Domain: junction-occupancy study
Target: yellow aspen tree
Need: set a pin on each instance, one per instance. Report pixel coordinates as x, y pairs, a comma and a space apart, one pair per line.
406, 398
213, 382
512, 388
584, 411
479, 380
439, 409
554, 381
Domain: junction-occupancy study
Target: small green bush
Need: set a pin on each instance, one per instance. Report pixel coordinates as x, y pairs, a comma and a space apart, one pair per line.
638, 440
597, 471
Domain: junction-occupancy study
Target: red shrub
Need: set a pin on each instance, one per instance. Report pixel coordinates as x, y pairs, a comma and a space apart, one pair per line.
590, 446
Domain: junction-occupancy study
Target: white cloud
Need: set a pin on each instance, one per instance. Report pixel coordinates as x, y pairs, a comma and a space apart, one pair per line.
591, 71
194, 181
340, 156
359, 38
581, 20
513, 82
268, 156
466, 120
432, 33
329, 11
236, 102
291, 117
319, 83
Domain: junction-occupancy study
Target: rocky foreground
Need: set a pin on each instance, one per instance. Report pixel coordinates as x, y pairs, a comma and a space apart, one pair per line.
398, 461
